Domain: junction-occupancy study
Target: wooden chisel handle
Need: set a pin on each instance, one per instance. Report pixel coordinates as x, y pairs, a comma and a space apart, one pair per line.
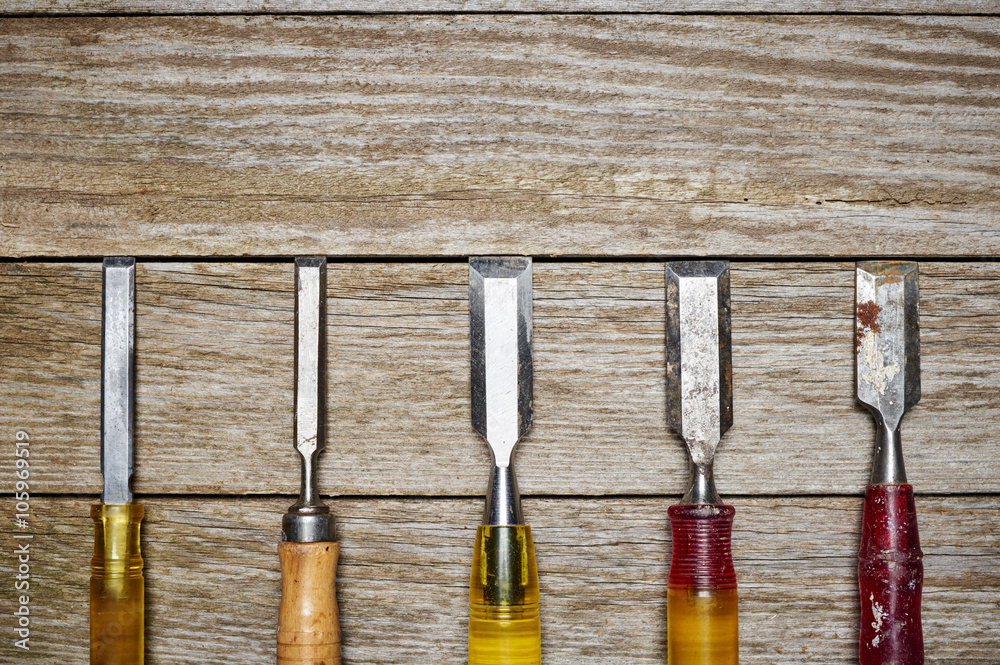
308, 621
504, 624
891, 578
702, 606
116, 586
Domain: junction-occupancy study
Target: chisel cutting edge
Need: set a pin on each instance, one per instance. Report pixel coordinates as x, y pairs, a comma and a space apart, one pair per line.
116, 581
702, 617
504, 627
308, 620
890, 562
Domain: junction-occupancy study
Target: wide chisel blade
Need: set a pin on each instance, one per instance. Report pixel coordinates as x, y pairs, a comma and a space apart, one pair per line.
890, 561
504, 622
702, 602
887, 355
500, 348
699, 365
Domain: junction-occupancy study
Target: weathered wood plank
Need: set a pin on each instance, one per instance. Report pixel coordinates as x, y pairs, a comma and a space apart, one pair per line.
213, 581
78, 7
214, 380
577, 135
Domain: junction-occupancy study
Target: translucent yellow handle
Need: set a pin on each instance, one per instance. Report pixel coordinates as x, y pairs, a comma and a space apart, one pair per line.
116, 586
702, 627
504, 626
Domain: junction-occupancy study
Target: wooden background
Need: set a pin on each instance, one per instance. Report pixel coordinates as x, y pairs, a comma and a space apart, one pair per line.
216, 139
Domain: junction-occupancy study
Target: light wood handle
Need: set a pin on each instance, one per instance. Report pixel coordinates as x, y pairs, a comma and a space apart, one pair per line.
308, 621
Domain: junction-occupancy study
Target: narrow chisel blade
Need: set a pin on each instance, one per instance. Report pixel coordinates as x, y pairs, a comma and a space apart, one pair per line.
308, 520
310, 354
117, 378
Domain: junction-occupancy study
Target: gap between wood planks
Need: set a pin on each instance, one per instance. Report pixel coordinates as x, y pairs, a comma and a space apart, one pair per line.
447, 258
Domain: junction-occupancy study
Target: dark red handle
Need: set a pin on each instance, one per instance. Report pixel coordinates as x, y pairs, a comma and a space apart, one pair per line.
702, 557
891, 578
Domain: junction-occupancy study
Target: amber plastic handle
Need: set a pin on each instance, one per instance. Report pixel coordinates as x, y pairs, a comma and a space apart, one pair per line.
891, 578
308, 621
116, 586
504, 624
702, 605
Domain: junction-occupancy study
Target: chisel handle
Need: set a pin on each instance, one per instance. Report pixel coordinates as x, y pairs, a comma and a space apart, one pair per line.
308, 621
891, 578
504, 625
116, 586
702, 606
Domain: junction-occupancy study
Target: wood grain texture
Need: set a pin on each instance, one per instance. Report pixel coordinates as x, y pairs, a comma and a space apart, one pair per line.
213, 579
308, 621
214, 380
77, 7
753, 136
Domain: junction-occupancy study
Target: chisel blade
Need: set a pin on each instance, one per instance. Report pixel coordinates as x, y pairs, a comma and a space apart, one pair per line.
117, 378
887, 381
500, 343
308, 520
887, 355
699, 355
310, 355
887, 338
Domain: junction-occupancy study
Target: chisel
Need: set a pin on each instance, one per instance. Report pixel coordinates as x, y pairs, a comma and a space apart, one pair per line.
504, 627
116, 582
308, 621
890, 562
702, 616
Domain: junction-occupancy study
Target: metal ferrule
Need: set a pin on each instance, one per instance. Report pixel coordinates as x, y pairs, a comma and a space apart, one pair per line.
312, 526
887, 463
503, 501
702, 491
308, 520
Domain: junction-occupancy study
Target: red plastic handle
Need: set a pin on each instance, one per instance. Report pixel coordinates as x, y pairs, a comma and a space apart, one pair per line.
891, 577
702, 557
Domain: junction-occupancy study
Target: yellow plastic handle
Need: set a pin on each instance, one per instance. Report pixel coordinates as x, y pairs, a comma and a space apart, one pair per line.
308, 621
116, 586
504, 625
702, 627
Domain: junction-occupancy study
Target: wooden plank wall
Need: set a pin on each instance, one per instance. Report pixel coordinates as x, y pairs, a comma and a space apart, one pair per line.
452, 135
217, 139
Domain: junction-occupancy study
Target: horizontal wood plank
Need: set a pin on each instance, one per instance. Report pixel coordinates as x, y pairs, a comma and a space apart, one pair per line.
214, 380
78, 7
742, 136
213, 580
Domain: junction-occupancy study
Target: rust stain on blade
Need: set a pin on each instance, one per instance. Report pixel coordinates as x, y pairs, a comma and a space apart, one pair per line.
867, 321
